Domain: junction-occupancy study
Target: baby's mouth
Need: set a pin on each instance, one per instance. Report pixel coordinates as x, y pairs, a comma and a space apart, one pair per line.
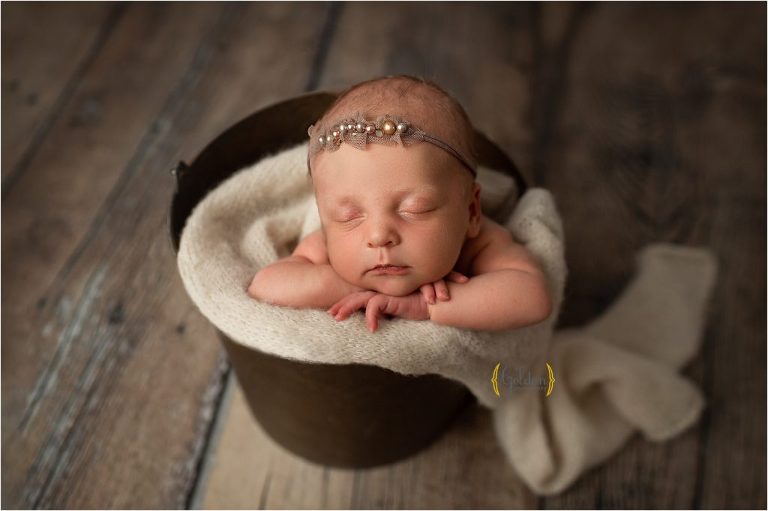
389, 269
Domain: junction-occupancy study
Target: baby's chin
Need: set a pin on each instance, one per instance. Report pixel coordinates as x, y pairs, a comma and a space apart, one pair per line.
392, 286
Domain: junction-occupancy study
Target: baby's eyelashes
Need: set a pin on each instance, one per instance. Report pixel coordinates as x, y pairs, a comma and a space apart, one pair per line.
416, 212
347, 215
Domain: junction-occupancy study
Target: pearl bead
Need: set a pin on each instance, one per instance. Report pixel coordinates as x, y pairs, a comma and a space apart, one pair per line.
370, 129
402, 127
360, 127
350, 127
335, 133
342, 128
388, 128
321, 139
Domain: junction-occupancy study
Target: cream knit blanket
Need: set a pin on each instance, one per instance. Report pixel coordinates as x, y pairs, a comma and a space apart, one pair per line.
614, 376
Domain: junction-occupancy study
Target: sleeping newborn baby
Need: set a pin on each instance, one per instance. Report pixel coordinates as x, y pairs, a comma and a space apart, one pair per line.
393, 169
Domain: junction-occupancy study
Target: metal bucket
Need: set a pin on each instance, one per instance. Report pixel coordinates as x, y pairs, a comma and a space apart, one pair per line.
350, 415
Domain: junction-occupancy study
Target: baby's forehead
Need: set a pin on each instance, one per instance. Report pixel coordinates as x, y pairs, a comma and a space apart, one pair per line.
426, 180
417, 163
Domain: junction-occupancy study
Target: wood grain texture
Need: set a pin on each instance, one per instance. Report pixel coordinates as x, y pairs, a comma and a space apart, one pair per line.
110, 383
46, 49
646, 122
53, 204
65, 302
659, 135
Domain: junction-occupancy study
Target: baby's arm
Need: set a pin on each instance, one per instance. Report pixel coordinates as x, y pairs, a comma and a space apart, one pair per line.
508, 289
305, 279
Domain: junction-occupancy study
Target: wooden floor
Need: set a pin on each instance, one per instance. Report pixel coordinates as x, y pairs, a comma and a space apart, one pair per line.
646, 121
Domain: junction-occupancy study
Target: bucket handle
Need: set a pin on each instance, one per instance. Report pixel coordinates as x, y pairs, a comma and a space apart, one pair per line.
179, 171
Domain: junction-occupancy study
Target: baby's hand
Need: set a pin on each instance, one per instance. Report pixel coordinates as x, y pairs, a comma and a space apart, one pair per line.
377, 305
412, 306
344, 308
439, 288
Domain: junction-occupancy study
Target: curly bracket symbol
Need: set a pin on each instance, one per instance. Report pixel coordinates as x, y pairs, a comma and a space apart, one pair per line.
551, 385
495, 379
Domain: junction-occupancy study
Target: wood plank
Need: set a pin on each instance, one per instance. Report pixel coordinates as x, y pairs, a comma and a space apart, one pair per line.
642, 144
141, 375
49, 212
37, 81
58, 196
46, 328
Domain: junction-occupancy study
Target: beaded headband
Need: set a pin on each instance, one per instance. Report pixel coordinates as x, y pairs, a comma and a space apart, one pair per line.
387, 130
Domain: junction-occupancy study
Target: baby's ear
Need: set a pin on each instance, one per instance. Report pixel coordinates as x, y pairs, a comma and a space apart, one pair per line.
475, 213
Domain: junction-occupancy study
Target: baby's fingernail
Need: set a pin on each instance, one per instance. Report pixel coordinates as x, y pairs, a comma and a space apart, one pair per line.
432, 300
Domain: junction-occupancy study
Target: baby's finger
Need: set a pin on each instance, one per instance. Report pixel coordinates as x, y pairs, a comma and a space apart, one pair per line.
372, 315
338, 306
455, 276
428, 292
343, 313
348, 308
335, 307
441, 290
349, 304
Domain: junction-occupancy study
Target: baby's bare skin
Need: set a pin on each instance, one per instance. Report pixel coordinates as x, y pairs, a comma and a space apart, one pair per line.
407, 208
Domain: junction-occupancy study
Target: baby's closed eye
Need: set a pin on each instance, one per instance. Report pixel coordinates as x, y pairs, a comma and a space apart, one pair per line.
415, 212
417, 207
347, 214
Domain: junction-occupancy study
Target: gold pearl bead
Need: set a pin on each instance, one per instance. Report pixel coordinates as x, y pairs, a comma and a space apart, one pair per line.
388, 128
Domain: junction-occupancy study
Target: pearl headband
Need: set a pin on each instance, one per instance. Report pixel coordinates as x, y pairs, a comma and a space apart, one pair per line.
387, 130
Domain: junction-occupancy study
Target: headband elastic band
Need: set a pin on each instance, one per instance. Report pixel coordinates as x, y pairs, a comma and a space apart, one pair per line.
387, 130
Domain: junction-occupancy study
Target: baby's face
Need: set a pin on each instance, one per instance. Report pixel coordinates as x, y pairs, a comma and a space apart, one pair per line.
407, 208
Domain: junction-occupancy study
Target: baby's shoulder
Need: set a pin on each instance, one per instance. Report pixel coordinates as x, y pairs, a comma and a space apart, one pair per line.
490, 232
313, 247
495, 248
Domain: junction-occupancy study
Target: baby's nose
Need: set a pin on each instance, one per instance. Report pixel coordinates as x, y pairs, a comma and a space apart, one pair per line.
383, 236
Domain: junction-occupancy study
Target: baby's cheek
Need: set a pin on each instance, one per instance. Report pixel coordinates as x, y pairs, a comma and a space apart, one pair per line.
347, 263
443, 251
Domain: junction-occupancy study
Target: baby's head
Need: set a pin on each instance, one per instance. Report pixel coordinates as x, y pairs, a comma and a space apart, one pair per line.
408, 207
